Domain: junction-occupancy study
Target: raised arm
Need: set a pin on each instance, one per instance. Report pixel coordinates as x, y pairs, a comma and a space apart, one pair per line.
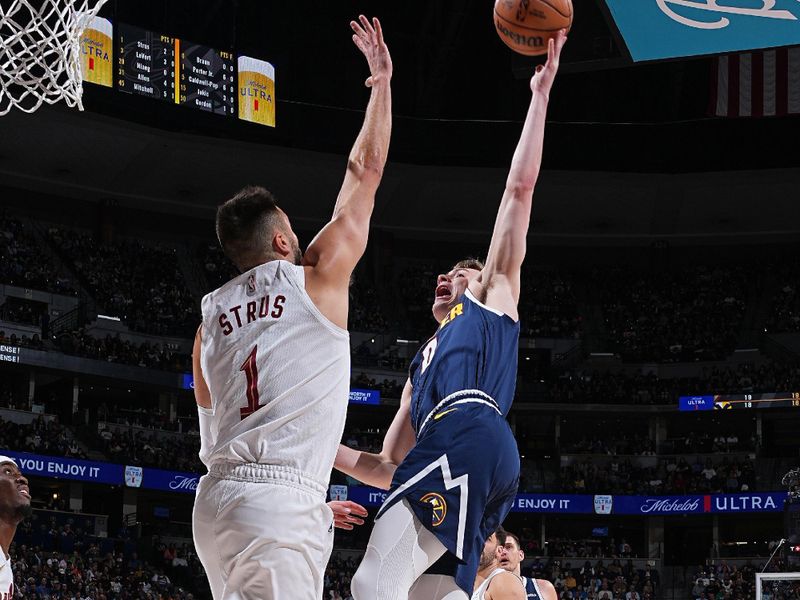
335, 251
377, 470
501, 275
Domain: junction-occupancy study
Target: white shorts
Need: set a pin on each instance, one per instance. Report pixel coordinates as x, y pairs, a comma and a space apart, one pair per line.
262, 533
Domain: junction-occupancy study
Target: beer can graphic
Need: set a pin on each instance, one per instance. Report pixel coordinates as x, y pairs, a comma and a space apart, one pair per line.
97, 54
256, 91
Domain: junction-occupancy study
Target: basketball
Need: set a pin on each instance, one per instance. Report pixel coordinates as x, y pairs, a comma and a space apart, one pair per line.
525, 26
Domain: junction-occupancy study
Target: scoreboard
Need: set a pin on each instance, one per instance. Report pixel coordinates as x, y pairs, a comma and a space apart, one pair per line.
174, 70
740, 401
146, 63
206, 78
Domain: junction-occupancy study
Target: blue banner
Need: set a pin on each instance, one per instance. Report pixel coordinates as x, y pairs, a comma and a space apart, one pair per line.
696, 403
658, 29
187, 381
66, 468
606, 504
365, 397
170, 481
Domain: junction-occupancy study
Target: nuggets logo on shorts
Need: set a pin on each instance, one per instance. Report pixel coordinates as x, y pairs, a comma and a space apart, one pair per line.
439, 507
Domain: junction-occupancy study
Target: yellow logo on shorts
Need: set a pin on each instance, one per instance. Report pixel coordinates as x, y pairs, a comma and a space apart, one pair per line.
439, 507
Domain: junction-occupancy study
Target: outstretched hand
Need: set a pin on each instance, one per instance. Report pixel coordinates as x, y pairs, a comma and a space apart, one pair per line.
545, 74
346, 513
369, 39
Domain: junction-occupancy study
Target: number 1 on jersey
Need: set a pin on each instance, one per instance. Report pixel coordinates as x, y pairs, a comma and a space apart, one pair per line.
427, 354
250, 369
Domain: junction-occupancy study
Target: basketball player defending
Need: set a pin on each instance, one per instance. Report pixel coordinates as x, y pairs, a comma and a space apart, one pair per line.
510, 558
271, 364
15, 505
449, 457
492, 581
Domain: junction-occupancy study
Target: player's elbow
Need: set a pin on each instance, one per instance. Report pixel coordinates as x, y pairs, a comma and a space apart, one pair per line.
367, 167
520, 188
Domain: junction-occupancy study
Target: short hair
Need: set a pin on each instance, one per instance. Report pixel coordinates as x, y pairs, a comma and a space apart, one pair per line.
512, 536
244, 226
469, 263
500, 533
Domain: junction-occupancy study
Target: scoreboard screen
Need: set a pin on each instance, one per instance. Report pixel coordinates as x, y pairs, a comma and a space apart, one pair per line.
180, 72
146, 63
740, 401
207, 78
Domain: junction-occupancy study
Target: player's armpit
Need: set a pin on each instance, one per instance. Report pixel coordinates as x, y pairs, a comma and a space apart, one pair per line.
505, 586
202, 394
548, 592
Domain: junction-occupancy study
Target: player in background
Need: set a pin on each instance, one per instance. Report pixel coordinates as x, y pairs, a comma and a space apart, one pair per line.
271, 366
493, 582
449, 457
15, 505
510, 558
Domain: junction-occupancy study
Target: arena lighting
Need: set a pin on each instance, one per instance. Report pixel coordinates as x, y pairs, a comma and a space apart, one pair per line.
108, 318
402, 341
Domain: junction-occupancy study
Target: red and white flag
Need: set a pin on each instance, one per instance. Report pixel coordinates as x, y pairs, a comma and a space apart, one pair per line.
757, 84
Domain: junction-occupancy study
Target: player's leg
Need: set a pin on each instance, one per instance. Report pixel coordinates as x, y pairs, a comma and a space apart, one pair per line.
206, 505
399, 551
274, 542
436, 587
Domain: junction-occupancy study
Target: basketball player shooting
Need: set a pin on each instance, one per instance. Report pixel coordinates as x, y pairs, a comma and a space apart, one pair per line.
449, 457
271, 366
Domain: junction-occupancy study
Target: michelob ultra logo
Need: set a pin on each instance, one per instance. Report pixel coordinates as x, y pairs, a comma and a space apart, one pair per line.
256, 91
97, 53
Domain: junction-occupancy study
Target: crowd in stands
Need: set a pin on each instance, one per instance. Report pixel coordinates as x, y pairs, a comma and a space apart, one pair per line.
147, 449
34, 342
608, 387
25, 312
689, 314
114, 349
547, 305
388, 387
140, 283
669, 476
42, 436
338, 575
612, 443
596, 580
785, 314
57, 560
724, 581
23, 264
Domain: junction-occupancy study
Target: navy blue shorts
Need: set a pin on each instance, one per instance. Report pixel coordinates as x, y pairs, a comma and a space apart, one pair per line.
460, 479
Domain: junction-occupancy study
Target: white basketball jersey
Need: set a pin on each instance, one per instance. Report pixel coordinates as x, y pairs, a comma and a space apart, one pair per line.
6, 577
278, 372
480, 593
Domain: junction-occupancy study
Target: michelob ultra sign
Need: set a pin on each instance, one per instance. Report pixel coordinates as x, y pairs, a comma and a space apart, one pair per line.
658, 29
256, 91
97, 52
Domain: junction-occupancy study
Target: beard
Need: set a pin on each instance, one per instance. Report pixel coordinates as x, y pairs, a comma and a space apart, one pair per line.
486, 559
297, 255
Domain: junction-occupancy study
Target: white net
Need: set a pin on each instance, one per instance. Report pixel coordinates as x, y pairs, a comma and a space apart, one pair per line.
777, 586
40, 51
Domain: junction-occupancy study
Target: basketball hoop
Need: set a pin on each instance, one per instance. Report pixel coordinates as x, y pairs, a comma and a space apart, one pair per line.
40, 52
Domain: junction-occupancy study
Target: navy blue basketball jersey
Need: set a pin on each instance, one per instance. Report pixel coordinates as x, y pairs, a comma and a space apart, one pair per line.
531, 589
475, 348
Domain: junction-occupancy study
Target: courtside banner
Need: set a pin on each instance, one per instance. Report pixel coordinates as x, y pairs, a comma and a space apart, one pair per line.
66, 468
168, 481
604, 504
659, 29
